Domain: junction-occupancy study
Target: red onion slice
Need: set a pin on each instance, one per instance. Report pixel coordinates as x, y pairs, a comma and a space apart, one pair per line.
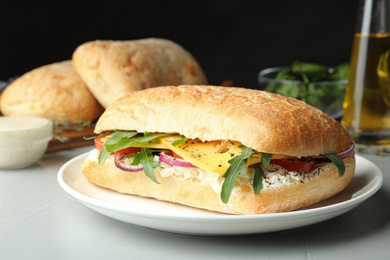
175, 162
347, 152
126, 167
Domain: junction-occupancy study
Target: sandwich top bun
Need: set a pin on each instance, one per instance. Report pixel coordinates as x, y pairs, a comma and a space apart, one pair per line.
53, 91
260, 120
112, 69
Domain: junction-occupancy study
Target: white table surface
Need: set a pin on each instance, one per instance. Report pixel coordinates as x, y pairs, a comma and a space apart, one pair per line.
39, 220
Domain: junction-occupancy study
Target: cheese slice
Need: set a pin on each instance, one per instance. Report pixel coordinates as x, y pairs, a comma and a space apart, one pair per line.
210, 156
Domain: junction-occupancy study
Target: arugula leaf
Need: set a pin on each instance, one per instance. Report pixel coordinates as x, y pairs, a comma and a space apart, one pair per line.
92, 137
136, 159
146, 158
237, 167
123, 139
338, 162
103, 155
265, 159
113, 144
328, 97
147, 138
340, 72
179, 141
257, 178
119, 140
309, 70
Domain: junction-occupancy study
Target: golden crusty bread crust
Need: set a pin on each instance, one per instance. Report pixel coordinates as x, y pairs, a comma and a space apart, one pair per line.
113, 69
200, 194
53, 91
260, 120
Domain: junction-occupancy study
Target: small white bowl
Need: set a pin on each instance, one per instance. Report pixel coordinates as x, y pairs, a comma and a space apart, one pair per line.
23, 140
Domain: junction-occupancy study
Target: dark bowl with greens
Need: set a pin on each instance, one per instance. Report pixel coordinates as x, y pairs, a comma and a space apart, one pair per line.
315, 84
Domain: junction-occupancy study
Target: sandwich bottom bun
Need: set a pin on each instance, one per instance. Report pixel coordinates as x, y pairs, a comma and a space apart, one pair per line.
201, 189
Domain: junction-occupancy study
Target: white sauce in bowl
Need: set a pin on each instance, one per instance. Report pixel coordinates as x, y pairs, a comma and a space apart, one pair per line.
23, 140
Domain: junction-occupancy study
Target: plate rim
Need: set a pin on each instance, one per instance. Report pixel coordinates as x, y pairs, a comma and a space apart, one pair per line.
375, 184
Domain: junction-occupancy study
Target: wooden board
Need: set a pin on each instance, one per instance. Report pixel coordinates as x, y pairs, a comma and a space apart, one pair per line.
68, 138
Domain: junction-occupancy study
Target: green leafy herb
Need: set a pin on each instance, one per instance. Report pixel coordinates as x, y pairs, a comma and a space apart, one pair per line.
146, 158
136, 159
103, 155
338, 162
123, 139
58, 130
147, 138
119, 140
309, 71
113, 144
340, 72
300, 81
257, 178
237, 167
179, 141
63, 139
265, 159
93, 137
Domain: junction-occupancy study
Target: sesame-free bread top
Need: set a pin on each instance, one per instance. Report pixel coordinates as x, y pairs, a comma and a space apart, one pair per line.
263, 121
112, 69
53, 91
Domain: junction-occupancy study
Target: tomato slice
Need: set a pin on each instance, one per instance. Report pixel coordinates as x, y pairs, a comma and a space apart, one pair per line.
175, 155
99, 143
296, 165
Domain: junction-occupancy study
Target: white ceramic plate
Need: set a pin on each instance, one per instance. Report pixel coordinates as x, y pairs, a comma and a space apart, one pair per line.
176, 218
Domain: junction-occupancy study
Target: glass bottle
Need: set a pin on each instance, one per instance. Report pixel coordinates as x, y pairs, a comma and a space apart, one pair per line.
367, 98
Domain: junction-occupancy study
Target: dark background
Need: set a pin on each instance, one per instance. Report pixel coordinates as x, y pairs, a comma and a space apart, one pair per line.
230, 39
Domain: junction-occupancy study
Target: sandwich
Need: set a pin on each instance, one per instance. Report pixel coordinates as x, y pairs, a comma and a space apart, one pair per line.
225, 149
112, 69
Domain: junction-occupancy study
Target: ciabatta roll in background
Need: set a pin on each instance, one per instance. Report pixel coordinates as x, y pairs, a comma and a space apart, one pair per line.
53, 91
225, 149
112, 69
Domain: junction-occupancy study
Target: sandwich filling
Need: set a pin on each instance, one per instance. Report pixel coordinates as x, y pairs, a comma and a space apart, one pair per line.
226, 164
275, 176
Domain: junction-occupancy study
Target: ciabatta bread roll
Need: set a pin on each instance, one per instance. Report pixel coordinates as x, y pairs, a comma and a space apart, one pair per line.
224, 149
53, 91
113, 69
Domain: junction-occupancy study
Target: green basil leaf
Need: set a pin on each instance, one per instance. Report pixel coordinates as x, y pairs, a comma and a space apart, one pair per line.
338, 162
265, 159
257, 178
179, 141
146, 158
103, 155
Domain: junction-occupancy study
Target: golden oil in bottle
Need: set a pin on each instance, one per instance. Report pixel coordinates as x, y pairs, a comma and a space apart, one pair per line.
367, 98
